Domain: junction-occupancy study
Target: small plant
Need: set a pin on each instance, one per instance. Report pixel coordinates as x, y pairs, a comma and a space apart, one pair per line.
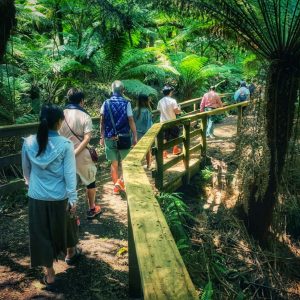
207, 174
177, 215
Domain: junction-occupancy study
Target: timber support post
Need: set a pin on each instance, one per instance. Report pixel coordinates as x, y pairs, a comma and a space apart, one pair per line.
159, 178
203, 134
186, 151
239, 120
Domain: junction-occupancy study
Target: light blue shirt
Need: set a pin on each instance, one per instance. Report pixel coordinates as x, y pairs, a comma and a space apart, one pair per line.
143, 122
50, 176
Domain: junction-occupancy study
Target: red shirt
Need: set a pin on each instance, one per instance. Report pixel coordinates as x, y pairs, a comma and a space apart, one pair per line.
210, 99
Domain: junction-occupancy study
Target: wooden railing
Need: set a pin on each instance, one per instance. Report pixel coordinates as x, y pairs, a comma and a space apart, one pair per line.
156, 268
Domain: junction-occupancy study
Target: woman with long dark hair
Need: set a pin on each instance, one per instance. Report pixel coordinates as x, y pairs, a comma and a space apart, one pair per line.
49, 170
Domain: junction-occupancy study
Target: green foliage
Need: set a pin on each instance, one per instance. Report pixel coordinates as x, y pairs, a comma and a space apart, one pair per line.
28, 118
206, 175
177, 215
207, 292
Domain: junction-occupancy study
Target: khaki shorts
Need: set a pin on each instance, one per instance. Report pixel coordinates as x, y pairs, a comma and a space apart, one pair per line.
112, 153
85, 167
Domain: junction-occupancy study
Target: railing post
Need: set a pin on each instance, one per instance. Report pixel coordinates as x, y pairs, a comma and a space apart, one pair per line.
186, 151
135, 290
239, 121
159, 178
203, 134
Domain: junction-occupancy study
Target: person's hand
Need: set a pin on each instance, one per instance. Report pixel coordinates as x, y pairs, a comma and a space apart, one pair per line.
101, 142
72, 208
134, 142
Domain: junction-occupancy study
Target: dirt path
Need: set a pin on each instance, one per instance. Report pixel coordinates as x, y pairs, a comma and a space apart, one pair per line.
102, 273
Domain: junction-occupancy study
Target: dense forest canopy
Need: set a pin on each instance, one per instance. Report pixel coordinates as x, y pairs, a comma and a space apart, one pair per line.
58, 43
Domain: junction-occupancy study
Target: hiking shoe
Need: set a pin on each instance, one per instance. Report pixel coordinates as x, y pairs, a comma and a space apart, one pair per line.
165, 154
120, 184
92, 213
176, 150
72, 260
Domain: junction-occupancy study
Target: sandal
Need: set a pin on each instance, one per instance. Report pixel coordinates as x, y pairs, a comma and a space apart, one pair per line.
71, 261
51, 287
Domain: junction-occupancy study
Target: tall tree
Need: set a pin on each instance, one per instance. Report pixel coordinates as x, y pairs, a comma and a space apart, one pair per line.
7, 20
272, 29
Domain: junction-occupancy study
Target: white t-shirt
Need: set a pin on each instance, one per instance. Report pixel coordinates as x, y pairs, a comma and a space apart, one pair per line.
166, 106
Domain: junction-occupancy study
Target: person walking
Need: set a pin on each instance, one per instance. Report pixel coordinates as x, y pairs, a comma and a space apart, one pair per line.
78, 127
143, 120
210, 101
49, 170
168, 109
243, 93
116, 121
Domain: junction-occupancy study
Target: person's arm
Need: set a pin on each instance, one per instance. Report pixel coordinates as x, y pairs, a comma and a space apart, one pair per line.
26, 166
176, 108
236, 95
219, 101
69, 165
202, 105
86, 139
133, 129
131, 122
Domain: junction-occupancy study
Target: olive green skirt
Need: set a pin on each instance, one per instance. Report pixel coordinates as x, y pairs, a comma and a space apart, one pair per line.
51, 231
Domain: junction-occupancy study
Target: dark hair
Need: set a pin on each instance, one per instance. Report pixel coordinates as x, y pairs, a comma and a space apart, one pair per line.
243, 84
75, 96
213, 88
143, 101
167, 90
49, 117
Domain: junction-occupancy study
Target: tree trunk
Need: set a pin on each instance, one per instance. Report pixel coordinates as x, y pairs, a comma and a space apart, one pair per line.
281, 96
59, 24
7, 20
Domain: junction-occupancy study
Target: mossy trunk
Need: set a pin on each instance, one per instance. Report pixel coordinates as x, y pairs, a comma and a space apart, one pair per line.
281, 95
7, 20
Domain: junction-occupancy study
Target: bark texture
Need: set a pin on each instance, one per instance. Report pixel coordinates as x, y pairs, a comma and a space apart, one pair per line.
281, 95
7, 20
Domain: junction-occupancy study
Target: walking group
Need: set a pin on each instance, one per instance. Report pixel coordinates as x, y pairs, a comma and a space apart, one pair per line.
59, 154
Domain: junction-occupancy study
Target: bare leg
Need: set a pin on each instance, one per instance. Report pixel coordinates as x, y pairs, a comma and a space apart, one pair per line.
70, 252
91, 196
50, 275
148, 159
114, 171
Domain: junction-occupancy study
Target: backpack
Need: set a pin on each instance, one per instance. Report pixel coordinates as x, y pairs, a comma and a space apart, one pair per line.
242, 97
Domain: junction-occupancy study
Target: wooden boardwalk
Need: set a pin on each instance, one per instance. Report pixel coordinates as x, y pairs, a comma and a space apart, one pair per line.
103, 271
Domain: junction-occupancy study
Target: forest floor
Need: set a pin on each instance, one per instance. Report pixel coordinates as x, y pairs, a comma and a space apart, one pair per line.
102, 272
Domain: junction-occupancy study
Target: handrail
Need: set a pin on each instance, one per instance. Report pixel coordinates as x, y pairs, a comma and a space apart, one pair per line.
156, 268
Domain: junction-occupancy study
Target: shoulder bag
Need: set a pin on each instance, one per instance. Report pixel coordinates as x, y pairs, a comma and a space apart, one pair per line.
92, 150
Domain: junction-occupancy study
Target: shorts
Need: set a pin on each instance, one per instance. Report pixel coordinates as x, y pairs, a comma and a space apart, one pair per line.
112, 153
171, 133
85, 167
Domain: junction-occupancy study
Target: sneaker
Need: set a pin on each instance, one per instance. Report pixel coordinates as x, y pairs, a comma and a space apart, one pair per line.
165, 154
176, 150
120, 184
116, 190
92, 213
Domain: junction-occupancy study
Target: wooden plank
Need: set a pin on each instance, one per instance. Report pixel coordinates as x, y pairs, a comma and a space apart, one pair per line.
162, 270
12, 186
172, 143
196, 132
196, 148
13, 159
186, 152
174, 161
18, 130
135, 288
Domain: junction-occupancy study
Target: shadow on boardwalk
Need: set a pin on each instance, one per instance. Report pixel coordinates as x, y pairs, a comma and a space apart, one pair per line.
102, 273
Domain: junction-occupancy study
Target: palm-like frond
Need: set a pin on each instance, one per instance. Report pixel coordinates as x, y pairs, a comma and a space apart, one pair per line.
135, 87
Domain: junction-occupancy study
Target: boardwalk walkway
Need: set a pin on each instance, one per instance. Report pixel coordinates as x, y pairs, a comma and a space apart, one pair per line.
102, 273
